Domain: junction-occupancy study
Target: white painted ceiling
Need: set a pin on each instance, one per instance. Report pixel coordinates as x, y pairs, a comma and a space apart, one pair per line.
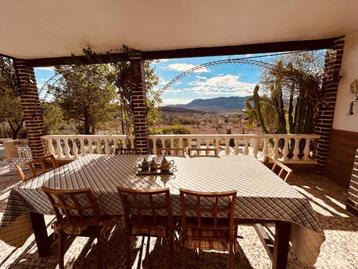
51, 28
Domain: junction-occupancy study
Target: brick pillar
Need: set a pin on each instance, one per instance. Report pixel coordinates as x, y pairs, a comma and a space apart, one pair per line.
352, 199
140, 109
31, 107
328, 101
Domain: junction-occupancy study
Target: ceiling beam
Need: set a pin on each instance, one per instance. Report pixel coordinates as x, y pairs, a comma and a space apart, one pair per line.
192, 52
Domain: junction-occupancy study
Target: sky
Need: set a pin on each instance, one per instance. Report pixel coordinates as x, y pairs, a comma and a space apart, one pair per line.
205, 82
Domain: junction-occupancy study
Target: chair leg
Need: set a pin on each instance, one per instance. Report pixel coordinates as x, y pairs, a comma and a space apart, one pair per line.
183, 257
231, 255
100, 263
61, 248
171, 255
127, 245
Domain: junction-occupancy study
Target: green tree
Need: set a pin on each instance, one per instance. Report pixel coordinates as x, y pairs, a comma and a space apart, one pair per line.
10, 105
121, 76
85, 95
53, 117
292, 89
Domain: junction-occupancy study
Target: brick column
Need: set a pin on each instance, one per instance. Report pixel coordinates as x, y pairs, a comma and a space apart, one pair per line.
140, 109
31, 107
352, 199
328, 101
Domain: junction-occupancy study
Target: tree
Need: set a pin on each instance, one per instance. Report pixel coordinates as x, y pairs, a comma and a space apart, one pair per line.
53, 117
293, 92
85, 94
120, 75
10, 105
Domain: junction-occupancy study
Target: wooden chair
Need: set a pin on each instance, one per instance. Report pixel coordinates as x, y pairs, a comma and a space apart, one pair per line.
37, 167
207, 152
148, 213
78, 214
279, 168
127, 151
207, 221
171, 151
264, 231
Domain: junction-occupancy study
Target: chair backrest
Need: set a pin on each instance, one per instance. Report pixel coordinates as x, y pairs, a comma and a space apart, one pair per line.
208, 210
280, 169
141, 206
203, 152
171, 151
126, 151
74, 205
37, 167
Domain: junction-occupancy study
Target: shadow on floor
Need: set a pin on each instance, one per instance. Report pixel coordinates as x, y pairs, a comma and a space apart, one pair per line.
327, 199
145, 253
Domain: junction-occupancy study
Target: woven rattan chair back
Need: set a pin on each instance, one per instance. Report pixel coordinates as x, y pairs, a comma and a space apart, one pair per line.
207, 210
73, 205
36, 167
141, 206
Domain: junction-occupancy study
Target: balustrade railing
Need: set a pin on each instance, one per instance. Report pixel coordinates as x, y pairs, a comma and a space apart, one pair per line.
289, 148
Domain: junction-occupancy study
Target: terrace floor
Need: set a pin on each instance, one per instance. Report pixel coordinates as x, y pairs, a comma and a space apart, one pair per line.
327, 199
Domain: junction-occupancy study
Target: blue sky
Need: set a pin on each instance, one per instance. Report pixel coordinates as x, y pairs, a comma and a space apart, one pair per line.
205, 83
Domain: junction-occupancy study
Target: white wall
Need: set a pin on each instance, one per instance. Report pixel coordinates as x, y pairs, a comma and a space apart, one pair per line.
349, 72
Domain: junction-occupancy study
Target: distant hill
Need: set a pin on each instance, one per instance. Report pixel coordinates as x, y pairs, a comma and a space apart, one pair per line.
181, 110
214, 104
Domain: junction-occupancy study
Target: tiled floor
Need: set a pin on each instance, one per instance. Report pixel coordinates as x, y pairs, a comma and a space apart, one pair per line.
338, 251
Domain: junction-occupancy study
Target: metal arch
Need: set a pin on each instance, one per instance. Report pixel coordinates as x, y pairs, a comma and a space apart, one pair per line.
246, 60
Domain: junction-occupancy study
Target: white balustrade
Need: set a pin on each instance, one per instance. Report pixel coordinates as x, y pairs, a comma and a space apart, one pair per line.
289, 148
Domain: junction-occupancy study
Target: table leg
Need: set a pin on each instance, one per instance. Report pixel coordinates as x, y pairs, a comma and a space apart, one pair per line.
42, 239
281, 245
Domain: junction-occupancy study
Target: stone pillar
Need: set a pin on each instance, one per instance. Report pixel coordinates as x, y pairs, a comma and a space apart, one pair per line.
328, 101
352, 199
31, 107
140, 109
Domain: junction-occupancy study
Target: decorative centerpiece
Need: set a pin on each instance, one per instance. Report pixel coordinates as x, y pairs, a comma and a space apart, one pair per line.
145, 167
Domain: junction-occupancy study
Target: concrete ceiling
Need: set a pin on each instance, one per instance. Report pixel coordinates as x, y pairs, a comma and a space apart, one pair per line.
49, 28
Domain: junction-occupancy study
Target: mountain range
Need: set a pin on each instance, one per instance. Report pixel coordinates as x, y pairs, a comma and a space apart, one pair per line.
215, 104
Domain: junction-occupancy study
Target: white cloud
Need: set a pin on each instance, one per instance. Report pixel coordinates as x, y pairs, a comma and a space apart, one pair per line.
176, 101
182, 67
222, 85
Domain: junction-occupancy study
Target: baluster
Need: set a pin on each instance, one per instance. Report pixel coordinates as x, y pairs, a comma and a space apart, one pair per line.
106, 146
217, 145
99, 146
275, 148
236, 151
59, 148
74, 148
265, 149
115, 145
246, 148
227, 146
50, 147
82, 149
285, 149
171, 143
256, 147
180, 142
66, 148
296, 149
306, 151
90, 145
154, 149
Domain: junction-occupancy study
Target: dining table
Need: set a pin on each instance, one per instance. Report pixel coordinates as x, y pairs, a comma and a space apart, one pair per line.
262, 197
